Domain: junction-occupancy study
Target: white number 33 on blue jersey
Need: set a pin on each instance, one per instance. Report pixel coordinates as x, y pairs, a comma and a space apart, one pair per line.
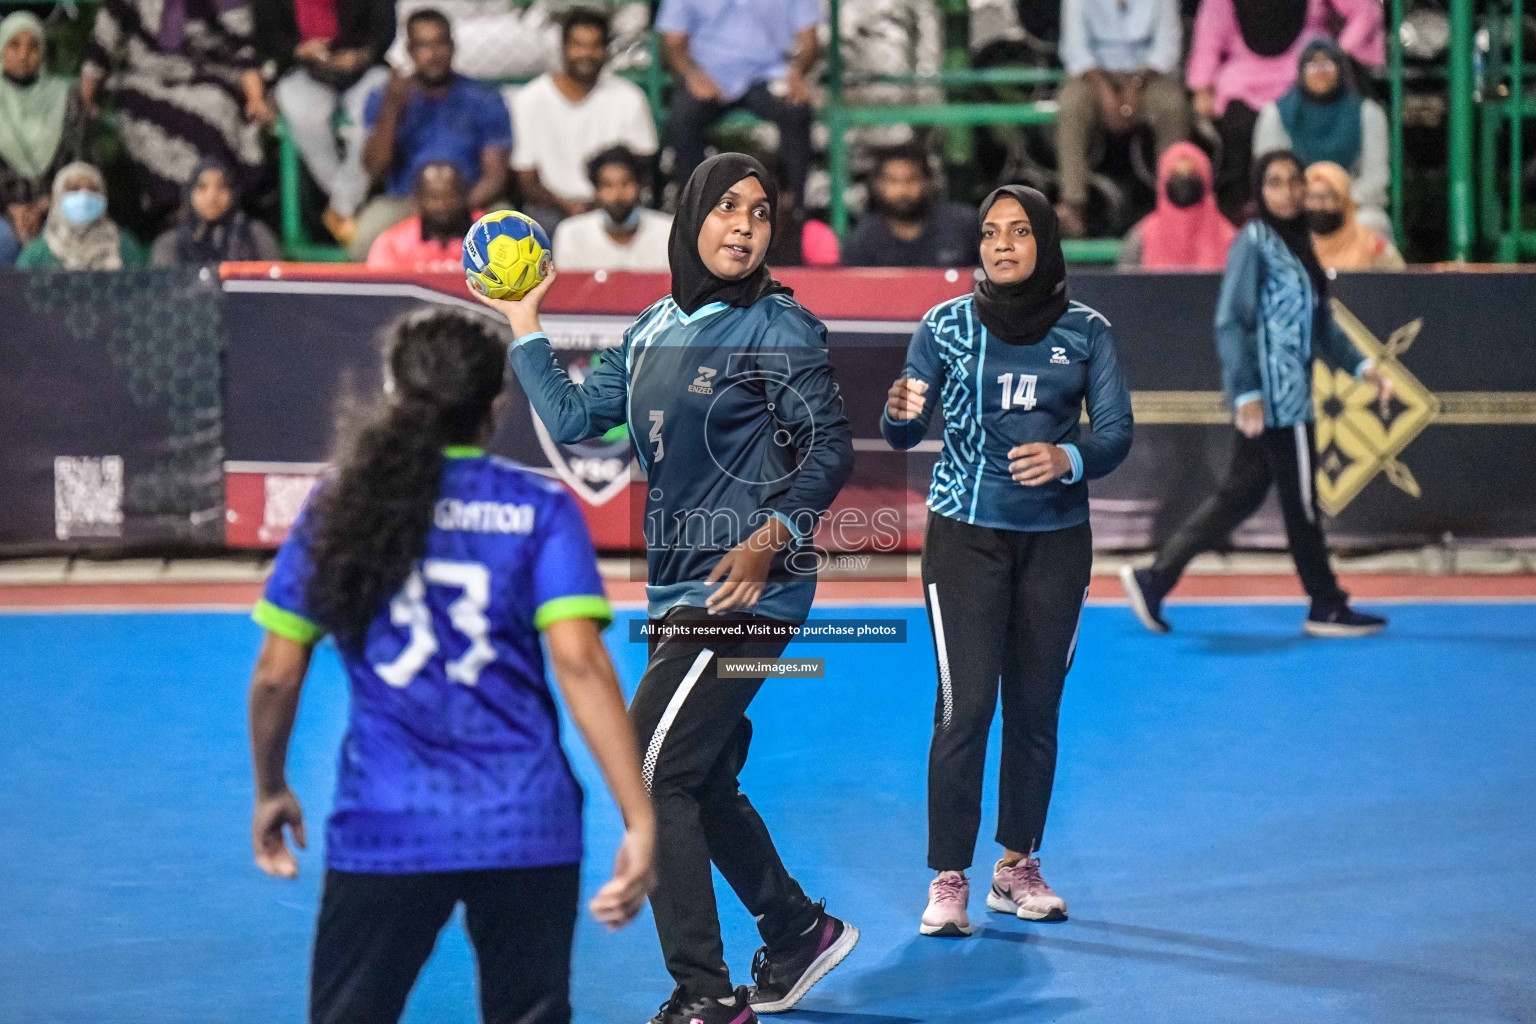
467, 613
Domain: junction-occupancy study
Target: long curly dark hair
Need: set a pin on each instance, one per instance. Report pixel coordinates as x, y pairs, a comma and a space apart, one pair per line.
442, 371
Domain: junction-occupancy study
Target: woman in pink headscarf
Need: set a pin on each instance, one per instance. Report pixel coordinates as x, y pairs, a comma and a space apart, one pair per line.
1186, 231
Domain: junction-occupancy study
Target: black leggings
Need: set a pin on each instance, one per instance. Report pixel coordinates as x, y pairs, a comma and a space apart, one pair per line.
693, 733
1281, 456
1004, 606
376, 932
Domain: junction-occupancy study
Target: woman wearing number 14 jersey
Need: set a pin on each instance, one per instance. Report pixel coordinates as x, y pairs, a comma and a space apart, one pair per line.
437, 568
1008, 550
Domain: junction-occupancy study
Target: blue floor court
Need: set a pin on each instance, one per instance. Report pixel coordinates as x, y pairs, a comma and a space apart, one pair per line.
1248, 825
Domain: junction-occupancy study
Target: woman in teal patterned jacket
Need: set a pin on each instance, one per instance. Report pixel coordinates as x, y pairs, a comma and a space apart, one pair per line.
1272, 318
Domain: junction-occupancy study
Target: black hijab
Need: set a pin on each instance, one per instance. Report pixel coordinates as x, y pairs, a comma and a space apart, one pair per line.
693, 284
1269, 27
1024, 312
229, 238
1294, 233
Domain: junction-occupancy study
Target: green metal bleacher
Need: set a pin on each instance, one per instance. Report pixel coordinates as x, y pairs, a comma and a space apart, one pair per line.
1488, 106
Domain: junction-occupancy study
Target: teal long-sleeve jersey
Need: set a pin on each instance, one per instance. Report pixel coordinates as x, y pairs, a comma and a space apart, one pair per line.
995, 396
735, 418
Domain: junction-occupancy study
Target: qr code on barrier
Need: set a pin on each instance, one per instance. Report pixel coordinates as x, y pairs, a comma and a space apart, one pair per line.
88, 496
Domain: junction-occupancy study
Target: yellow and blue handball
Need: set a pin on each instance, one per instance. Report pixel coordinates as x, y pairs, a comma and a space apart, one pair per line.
506, 255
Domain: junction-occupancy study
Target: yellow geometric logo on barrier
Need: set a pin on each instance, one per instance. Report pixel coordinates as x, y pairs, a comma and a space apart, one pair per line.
1354, 441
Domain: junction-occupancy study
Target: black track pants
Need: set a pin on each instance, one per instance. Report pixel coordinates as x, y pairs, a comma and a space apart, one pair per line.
376, 932
1282, 456
1004, 606
693, 734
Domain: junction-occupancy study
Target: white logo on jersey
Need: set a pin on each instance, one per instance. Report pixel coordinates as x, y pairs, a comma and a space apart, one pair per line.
1059, 355
702, 384
656, 417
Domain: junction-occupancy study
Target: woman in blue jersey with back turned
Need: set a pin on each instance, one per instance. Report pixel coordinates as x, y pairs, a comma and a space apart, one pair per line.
437, 568
1008, 550
737, 422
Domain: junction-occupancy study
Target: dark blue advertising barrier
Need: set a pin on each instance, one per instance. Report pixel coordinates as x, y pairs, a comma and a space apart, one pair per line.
1455, 455
111, 420
118, 432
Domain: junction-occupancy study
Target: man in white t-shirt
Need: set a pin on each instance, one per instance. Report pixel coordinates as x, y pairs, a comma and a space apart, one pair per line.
560, 120
620, 234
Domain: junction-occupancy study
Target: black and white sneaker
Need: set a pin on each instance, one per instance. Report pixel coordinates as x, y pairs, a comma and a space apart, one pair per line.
1342, 620
783, 977
735, 1010
1146, 599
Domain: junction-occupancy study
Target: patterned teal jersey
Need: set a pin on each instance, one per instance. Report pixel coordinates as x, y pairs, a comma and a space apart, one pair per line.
735, 418
452, 757
1265, 325
995, 396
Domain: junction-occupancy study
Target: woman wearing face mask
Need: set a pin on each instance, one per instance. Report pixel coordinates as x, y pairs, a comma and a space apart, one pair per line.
1324, 118
42, 128
1186, 231
1272, 318
737, 421
78, 234
1008, 549
1341, 240
212, 228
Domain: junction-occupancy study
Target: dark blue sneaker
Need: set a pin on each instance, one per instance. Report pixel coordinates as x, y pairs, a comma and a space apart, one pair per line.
782, 977
1146, 599
1342, 620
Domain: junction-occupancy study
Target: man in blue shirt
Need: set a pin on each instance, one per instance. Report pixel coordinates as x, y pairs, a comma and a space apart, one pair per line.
1122, 62
751, 54
430, 116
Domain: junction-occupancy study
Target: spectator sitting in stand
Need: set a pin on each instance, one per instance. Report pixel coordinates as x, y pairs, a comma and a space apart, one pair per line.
42, 128
1324, 118
516, 40
429, 116
184, 79
1243, 54
907, 225
1342, 241
562, 119
1186, 231
1122, 59
78, 234
332, 50
213, 229
755, 55
620, 234
432, 239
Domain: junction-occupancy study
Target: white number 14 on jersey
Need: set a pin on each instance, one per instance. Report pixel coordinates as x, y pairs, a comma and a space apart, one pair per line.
1024, 396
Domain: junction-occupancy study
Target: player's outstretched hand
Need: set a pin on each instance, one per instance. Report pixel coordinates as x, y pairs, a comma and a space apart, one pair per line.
1037, 463
1249, 418
1385, 389
634, 876
272, 853
522, 314
906, 399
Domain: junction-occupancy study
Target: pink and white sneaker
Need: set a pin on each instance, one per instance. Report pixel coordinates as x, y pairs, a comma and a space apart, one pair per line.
947, 896
1019, 890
